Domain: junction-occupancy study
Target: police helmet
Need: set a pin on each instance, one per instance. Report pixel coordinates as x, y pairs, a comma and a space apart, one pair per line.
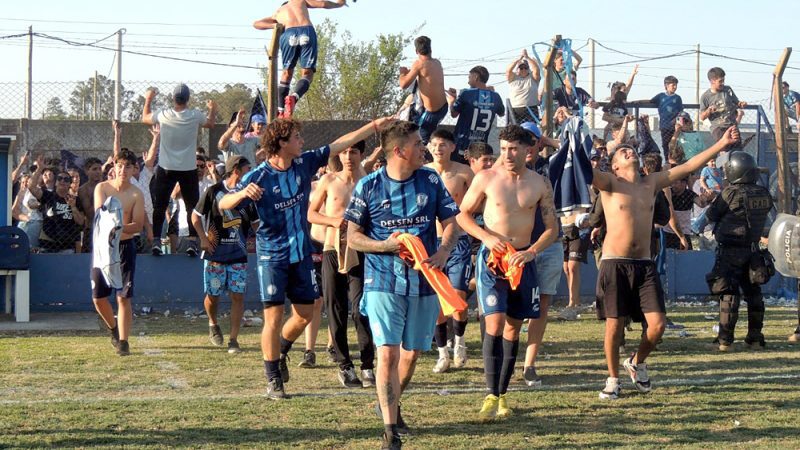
741, 168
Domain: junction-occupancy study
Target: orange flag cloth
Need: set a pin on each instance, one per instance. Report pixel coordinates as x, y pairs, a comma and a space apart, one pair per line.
498, 262
413, 252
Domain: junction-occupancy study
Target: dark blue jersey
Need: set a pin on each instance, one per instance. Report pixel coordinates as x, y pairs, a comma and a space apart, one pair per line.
283, 235
477, 109
382, 206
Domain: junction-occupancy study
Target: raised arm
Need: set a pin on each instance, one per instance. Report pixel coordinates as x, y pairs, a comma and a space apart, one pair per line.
664, 179
369, 163
152, 152
211, 118
407, 76
267, 23
578, 60
147, 112
36, 178
23, 161
510, 70
602, 180
346, 141
228, 134
629, 84
117, 137
533, 65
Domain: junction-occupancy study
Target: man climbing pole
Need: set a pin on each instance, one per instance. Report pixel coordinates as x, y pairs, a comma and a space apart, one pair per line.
298, 43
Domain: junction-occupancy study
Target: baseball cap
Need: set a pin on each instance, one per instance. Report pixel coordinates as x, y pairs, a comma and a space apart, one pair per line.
181, 93
235, 162
532, 128
258, 118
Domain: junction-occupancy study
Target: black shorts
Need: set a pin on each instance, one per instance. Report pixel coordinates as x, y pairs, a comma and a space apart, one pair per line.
127, 254
576, 246
628, 288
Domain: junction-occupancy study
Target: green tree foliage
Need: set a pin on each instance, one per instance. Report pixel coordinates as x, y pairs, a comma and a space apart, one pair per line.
54, 110
354, 80
82, 100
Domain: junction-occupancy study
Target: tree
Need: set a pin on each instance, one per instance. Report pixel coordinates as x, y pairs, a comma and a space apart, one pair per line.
82, 99
354, 80
54, 110
229, 100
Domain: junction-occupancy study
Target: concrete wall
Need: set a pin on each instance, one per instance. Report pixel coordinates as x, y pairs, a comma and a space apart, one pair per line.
175, 282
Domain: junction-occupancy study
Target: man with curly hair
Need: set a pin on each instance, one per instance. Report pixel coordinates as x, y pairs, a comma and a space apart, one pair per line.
280, 190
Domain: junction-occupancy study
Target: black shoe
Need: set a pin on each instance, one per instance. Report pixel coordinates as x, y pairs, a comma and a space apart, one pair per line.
233, 346
309, 360
756, 343
215, 335
275, 389
156, 250
124, 349
331, 355
284, 368
348, 378
393, 443
402, 427
114, 337
191, 251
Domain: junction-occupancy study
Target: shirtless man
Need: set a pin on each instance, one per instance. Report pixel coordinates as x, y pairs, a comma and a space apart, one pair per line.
328, 203
427, 72
298, 42
132, 201
512, 194
457, 178
627, 280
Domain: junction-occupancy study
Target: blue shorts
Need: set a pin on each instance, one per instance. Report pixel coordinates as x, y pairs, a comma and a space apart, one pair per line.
299, 43
221, 277
428, 121
459, 265
280, 280
549, 266
495, 294
398, 319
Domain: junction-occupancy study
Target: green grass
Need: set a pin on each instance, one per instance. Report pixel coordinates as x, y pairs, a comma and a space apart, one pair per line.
71, 390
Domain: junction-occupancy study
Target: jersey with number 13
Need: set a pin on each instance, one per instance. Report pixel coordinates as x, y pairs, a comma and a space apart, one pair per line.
476, 111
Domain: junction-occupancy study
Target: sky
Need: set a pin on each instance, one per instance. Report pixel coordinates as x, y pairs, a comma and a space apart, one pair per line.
464, 33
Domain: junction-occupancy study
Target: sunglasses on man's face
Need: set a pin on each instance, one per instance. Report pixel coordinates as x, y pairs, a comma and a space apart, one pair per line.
65, 179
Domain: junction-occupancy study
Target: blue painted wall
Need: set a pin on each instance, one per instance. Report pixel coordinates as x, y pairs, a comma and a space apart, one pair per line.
175, 282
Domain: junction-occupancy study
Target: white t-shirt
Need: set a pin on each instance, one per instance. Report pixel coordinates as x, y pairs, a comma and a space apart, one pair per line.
178, 138
523, 91
143, 183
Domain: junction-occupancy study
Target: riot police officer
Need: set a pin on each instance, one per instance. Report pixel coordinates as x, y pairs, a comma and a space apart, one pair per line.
740, 213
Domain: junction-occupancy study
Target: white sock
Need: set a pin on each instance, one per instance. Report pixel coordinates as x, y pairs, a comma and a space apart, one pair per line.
443, 353
459, 341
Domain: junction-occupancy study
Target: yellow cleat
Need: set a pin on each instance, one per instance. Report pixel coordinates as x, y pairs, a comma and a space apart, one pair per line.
489, 409
503, 410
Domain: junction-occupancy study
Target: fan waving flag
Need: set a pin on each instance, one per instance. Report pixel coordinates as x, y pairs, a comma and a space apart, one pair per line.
259, 107
571, 168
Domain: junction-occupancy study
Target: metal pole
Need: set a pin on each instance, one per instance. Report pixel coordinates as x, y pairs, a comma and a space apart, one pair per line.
591, 77
118, 81
29, 93
697, 89
94, 96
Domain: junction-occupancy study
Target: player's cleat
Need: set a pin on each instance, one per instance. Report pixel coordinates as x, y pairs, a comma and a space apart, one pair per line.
391, 443
612, 389
755, 344
331, 355
283, 367
459, 356
290, 103
124, 349
191, 249
503, 411
233, 346
275, 389
309, 360
489, 409
442, 365
638, 374
114, 337
530, 377
348, 378
367, 378
215, 335
156, 250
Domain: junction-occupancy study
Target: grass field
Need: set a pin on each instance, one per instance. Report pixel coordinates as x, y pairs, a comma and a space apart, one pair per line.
176, 390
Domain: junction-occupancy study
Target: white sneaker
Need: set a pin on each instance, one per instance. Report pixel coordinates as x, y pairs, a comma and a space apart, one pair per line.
442, 365
638, 374
612, 389
460, 356
570, 313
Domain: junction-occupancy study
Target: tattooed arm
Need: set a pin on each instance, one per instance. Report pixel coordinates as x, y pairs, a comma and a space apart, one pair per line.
360, 242
549, 217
